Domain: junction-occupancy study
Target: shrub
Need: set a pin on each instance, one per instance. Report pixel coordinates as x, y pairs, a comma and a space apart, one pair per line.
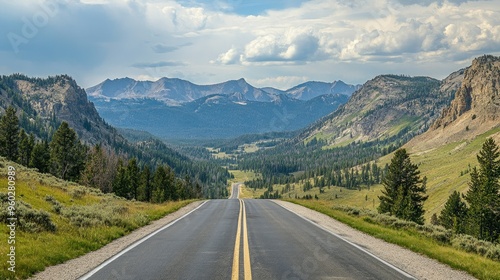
56, 205
474, 245
28, 219
78, 192
104, 213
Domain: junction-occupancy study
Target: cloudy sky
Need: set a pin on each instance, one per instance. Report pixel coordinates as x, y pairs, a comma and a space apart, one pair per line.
277, 43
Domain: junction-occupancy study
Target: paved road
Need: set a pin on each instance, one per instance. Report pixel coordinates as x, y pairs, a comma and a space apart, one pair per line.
244, 239
235, 191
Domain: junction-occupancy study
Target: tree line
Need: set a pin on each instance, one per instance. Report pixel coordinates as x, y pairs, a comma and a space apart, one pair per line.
66, 157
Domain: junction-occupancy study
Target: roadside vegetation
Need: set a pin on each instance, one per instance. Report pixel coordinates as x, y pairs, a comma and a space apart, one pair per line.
60, 220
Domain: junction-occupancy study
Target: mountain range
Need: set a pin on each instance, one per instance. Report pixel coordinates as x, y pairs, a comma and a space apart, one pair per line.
224, 110
173, 91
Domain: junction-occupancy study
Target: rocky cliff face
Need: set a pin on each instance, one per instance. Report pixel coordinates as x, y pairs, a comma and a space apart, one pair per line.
47, 102
478, 93
474, 110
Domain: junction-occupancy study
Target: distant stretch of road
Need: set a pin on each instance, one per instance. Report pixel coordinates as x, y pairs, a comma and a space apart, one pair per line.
235, 191
244, 239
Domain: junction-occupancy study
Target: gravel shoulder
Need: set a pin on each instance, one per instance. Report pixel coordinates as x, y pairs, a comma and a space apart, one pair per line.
75, 268
421, 267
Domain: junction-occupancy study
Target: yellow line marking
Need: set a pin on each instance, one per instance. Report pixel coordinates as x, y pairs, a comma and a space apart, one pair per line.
246, 250
236, 256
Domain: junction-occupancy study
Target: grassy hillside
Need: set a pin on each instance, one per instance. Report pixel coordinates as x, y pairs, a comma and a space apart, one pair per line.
447, 168
58, 220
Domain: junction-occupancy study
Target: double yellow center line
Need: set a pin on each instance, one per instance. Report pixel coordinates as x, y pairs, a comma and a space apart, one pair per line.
242, 219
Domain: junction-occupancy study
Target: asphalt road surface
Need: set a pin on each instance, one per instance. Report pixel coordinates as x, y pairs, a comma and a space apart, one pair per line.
244, 239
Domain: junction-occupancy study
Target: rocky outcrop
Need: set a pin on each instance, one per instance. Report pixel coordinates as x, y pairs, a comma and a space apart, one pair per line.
48, 102
475, 110
478, 93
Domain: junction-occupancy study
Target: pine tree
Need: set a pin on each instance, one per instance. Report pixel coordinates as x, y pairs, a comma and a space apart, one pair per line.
158, 185
120, 182
100, 169
133, 178
9, 134
145, 187
40, 157
404, 192
26, 144
483, 195
67, 154
454, 213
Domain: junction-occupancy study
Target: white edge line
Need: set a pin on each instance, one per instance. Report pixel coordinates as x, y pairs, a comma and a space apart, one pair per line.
406, 274
132, 246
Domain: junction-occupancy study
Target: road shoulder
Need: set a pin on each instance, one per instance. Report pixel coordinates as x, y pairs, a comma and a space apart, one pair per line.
76, 268
415, 264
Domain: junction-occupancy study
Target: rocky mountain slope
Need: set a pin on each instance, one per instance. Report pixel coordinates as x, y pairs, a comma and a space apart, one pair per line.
474, 110
387, 106
42, 104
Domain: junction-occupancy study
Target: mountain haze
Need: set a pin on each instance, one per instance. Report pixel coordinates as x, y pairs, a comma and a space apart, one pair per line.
217, 116
309, 90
